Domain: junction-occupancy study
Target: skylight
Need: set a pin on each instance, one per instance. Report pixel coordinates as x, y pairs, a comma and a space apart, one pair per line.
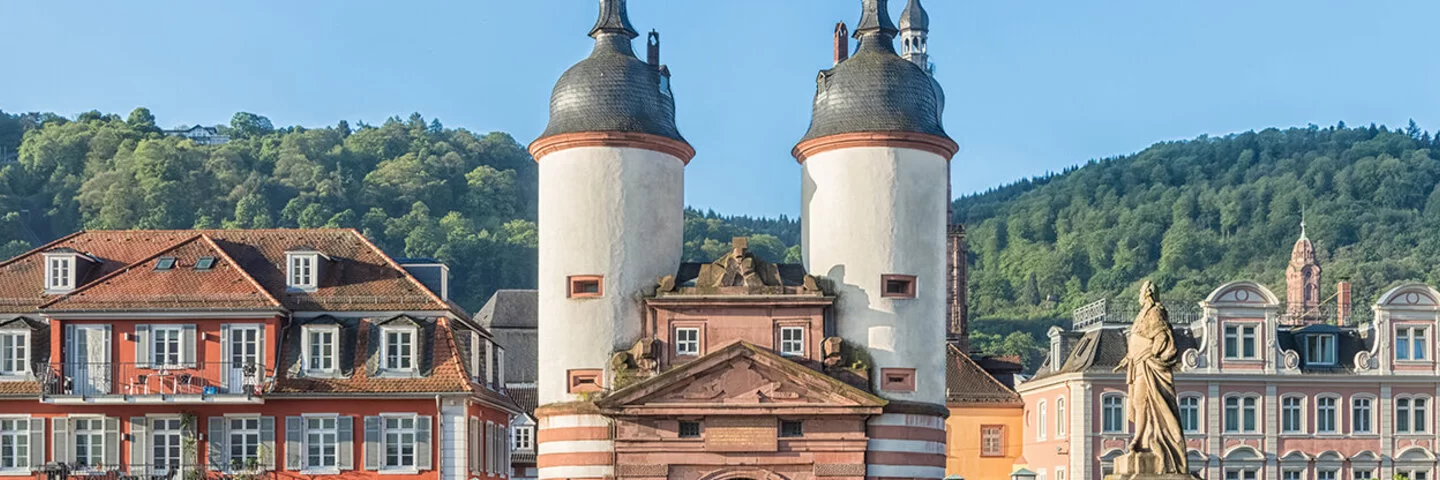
165, 263
205, 263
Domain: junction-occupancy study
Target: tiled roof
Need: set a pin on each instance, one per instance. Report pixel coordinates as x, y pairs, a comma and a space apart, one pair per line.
439, 371
526, 397
357, 276
968, 384
224, 286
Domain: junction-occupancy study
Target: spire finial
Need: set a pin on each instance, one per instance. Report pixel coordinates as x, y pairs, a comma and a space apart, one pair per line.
614, 19
1302, 224
914, 17
875, 18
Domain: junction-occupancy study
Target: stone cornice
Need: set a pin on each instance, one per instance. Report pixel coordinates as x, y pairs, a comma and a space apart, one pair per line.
669, 146
941, 146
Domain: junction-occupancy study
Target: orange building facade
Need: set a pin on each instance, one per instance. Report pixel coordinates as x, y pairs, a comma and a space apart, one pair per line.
243, 354
984, 433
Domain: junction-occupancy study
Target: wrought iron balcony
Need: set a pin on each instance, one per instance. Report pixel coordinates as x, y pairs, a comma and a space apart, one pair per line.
129, 382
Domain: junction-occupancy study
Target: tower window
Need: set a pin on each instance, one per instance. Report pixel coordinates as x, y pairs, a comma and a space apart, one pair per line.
584, 381
897, 286
792, 428
897, 379
586, 286
689, 429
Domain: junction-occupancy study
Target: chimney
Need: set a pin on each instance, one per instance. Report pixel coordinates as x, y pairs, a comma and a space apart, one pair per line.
432, 273
842, 42
653, 54
1342, 303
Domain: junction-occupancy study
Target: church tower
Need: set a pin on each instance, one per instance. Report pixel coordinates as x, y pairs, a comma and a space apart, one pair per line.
874, 196
612, 175
915, 34
1302, 280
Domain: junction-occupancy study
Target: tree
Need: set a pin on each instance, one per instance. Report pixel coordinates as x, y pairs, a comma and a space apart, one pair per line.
246, 125
141, 119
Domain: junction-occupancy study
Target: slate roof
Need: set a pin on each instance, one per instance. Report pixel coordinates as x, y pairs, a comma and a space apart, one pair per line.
512, 317
875, 90
356, 277
612, 90
966, 383
1101, 350
914, 16
1348, 342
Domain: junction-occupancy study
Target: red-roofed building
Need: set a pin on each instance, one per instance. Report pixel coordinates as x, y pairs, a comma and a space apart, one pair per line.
288, 353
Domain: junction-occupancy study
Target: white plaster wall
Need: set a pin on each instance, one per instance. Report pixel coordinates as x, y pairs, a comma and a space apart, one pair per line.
872, 211
616, 212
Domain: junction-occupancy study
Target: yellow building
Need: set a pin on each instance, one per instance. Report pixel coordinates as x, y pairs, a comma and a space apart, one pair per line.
983, 434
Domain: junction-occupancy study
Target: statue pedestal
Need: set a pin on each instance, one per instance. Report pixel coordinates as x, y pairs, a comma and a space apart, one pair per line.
1143, 466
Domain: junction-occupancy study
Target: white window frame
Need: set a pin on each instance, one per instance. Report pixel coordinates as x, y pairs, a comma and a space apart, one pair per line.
413, 431
1242, 473
60, 273
1198, 409
230, 435
302, 271
522, 438
1292, 409
1320, 472
1292, 474
792, 347
1060, 423
307, 344
1363, 473
1325, 414
1112, 414
92, 446
1044, 418
171, 332
305, 443
1412, 414
1409, 336
1241, 342
1409, 473
385, 358
17, 435
1320, 349
1243, 402
1369, 415
687, 347
16, 354
154, 433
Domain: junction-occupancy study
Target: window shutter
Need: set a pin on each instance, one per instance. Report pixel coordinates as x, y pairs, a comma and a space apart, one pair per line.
267, 442
60, 438
472, 438
372, 443
142, 346
187, 346
489, 447
345, 442
225, 365
505, 449
422, 443
37, 442
262, 370
219, 445
139, 445
294, 435
112, 441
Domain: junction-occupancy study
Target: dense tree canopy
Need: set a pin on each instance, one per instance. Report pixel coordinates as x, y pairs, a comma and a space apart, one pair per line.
1192, 215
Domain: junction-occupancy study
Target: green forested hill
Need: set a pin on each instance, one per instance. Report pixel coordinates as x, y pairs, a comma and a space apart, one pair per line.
416, 188
1194, 214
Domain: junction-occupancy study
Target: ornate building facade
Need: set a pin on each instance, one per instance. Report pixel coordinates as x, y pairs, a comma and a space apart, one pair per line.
740, 368
1265, 391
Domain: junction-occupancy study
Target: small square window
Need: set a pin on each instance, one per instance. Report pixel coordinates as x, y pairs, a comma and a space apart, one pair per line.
584, 381
205, 263
897, 379
897, 286
687, 342
689, 429
792, 341
792, 428
586, 286
165, 263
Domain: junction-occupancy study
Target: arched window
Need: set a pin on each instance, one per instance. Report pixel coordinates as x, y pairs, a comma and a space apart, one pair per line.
1327, 416
1292, 414
1041, 421
1362, 414
1060, 419
1412, 414
1242, 413
1190, 413
1112, 413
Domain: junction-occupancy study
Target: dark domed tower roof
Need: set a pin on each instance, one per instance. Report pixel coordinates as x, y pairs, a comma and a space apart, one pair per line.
914, 17
876, 90
612, 90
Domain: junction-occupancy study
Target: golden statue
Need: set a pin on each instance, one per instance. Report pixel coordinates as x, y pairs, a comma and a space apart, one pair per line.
1158, 449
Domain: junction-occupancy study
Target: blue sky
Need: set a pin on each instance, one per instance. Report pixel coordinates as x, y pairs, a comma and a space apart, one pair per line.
1033, 86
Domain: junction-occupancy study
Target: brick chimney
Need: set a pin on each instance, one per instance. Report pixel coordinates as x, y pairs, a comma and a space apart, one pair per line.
842, 42
1342, 303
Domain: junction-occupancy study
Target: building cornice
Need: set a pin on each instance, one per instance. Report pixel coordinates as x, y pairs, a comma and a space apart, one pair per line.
565, 141
941, 146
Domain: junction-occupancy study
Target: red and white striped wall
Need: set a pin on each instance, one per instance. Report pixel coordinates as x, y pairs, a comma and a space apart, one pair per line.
906, 445
575, 446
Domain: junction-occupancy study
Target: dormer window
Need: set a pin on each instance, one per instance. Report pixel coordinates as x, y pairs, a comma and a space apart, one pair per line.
1320, 349
398, 348
59, 273
302, 270
321, 346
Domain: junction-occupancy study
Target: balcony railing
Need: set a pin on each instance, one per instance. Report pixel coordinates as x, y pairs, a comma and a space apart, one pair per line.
102, 379
77, 471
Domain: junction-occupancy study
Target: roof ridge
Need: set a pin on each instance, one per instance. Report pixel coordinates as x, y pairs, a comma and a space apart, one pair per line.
405, 273
47, 246
966, 358
117, 272
245, 274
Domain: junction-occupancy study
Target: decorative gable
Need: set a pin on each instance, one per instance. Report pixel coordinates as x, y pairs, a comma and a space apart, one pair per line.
738, 378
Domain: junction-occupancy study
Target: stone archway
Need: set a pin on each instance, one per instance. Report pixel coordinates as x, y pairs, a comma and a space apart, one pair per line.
742, 474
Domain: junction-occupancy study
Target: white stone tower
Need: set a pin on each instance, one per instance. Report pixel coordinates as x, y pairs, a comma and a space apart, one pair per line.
915, 34
873, 212
611, 206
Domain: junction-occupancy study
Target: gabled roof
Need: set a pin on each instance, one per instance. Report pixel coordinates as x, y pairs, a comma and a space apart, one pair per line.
439, 369
1101, 350
739, 378
141, 287
968, 384
512, 318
